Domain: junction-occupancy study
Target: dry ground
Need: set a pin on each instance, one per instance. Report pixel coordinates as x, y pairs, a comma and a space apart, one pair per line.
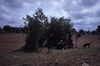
68, 57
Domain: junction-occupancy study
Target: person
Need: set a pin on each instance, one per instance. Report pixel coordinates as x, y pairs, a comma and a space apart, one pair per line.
60, 45
70, 43
42, 39
49, 43
77, 36
69, 35
74, 45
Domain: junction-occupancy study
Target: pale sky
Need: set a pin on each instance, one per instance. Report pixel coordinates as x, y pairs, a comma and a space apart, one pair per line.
84, 14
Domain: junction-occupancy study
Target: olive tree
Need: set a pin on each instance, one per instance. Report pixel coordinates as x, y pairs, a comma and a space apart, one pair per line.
36, 28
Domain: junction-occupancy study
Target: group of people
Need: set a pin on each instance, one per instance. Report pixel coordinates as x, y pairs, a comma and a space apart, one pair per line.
61, 44
66, 44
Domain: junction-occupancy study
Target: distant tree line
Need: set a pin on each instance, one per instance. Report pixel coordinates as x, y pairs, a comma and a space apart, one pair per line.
9, 29
94, 32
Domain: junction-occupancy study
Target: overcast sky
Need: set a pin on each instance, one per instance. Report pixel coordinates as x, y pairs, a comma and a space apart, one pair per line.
84, 14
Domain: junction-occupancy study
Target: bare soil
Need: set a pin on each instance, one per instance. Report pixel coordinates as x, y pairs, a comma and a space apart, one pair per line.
68, 57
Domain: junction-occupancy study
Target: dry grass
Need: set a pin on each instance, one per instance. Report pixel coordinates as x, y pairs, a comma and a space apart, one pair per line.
68, 57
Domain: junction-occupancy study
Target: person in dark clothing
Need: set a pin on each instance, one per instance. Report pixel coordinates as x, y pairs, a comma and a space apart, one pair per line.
41, 42
60, 45
77, 36
69, 35
70, 43
49, 43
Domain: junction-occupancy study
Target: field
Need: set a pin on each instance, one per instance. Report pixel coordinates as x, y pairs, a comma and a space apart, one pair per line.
68, 57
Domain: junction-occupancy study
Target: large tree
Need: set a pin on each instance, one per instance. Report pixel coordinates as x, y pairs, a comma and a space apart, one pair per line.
59, 28
35, 24
53, 31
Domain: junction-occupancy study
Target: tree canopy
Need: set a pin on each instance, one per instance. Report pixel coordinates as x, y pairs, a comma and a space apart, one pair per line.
39, 25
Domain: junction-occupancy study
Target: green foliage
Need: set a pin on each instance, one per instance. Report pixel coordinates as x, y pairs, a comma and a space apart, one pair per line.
60, 26
38, 25
9, 29
36, 29
25, 29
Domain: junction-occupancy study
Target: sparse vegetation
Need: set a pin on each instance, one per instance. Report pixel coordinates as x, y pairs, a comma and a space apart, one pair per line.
68, 57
